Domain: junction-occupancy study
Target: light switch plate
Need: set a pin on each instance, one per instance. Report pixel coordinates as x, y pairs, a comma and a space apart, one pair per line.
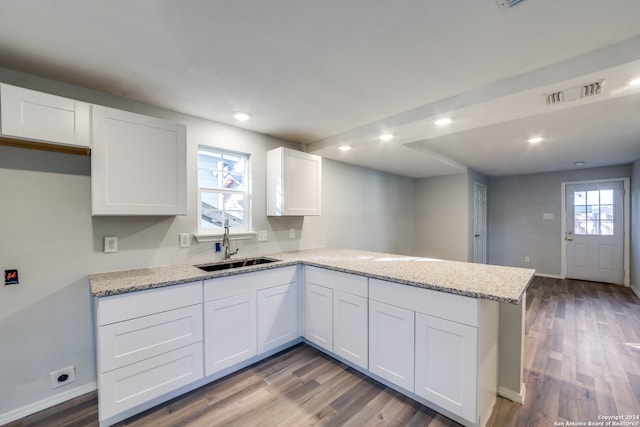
262, 236
292, 233
110, 244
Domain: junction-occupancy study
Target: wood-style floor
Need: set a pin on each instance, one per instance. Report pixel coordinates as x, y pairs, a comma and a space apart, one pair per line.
582, 359
582, 355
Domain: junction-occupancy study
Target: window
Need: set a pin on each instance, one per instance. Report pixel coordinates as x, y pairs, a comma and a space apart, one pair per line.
594, 212
224, 193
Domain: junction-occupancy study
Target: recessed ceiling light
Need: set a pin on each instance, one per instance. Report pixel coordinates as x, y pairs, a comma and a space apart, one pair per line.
535, 140
386, 137
345, 147
579, 163
443, 122
635, 82
241, 116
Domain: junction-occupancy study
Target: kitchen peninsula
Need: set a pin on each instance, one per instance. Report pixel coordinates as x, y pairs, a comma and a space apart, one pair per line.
427, 328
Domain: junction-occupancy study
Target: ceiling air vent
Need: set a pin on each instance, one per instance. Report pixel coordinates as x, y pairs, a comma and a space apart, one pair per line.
575, 93
506, 4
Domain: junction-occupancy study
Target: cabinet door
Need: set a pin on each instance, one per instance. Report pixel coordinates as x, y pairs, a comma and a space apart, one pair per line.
318, 309
350, 328
302, 183
138, 165
446, 372
294, 183
277, 316
391, 343
230, 330
28, 114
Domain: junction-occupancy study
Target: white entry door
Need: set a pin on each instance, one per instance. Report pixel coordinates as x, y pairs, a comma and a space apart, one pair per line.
594, 232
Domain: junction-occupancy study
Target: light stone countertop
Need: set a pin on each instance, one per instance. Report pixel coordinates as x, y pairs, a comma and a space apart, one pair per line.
504, 284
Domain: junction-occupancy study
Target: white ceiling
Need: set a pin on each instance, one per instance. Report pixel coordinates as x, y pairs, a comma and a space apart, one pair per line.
328, 73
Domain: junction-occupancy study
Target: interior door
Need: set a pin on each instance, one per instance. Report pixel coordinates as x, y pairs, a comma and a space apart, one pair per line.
479, 223
594, 231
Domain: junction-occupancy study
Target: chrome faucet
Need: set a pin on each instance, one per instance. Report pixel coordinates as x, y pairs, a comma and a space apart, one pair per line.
225, 241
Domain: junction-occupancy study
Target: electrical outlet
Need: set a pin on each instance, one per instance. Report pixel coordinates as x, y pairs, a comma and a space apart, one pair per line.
262, 236
527, 259
292, 233
110, 244
63, 376
185, 240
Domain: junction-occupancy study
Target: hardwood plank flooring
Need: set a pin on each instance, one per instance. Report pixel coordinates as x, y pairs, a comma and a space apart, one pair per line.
582, 355
582, 359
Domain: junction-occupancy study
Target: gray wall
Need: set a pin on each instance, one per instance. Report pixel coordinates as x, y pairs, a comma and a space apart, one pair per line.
442, 217
46, 322
516, 228
635, 227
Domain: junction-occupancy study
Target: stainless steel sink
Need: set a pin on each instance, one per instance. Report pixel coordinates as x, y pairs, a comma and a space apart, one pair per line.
235, 263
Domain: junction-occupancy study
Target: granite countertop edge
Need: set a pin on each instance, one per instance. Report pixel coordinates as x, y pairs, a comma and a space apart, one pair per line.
126, 281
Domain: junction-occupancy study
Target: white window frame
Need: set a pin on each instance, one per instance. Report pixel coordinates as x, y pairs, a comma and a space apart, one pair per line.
246, 232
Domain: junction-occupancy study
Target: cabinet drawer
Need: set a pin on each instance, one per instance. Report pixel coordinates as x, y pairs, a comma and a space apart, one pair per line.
345, 282
131, 341
140, 382
444, 305
224, 287
143, 303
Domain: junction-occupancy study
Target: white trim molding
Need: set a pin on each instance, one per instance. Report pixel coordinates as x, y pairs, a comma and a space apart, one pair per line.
513, 395
47, 403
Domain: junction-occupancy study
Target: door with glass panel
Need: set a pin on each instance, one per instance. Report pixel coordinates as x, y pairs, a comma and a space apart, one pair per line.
594, 232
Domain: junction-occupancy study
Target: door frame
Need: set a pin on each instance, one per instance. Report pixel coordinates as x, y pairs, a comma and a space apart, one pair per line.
477, 184
626, 209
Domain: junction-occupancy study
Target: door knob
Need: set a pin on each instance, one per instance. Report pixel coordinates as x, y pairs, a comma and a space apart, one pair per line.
476, 235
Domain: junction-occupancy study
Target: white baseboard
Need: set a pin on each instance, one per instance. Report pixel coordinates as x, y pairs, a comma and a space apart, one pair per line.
636, 291
513, 395
551, 276
32, 408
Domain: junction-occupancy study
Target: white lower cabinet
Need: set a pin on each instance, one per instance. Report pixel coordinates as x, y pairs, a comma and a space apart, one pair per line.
445, 364
336, 313
318, 315
350, 324
277, 316
248, 314
431, 343
391, 343
149, 344
427, 343
230, 331
135, 384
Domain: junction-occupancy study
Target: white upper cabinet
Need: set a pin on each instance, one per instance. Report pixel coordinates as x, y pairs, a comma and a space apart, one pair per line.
294, 183
138, 165
31, 115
